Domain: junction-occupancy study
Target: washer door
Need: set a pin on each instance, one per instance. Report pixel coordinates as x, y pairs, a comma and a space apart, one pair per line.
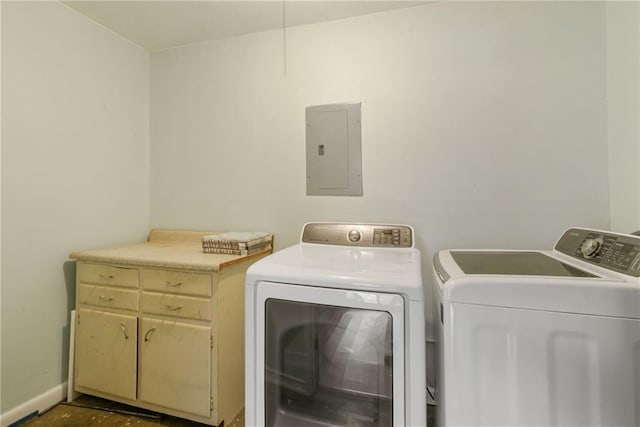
329, 357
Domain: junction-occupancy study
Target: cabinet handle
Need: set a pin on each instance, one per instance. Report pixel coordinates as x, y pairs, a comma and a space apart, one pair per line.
173, 307
147, 336
106, 299
173, 285
104, 276
124, 331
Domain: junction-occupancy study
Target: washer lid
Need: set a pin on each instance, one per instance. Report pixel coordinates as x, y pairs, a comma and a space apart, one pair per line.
514, 263
576, 288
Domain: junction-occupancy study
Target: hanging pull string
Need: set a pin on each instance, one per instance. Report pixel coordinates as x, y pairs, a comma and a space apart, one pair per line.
284, 36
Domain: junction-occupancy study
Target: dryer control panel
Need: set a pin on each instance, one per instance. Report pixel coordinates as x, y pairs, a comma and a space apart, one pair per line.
617, 252
360, 235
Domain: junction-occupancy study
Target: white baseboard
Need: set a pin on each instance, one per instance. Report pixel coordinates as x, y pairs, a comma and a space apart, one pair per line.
38, 404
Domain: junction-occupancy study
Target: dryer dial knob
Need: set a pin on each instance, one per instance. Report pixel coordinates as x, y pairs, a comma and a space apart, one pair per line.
590, 248
354, 236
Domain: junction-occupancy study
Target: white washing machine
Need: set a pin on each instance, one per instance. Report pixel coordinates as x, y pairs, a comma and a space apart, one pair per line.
334, 330
540, 338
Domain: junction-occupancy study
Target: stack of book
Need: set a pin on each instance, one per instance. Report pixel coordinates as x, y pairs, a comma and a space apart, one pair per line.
237, 242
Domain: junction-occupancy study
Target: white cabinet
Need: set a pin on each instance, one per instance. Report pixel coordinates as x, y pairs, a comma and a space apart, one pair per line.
106, 356
175, 352
107, 360
175, 366
162, 328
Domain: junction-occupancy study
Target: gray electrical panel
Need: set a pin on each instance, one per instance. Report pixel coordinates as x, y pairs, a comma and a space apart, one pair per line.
334, 150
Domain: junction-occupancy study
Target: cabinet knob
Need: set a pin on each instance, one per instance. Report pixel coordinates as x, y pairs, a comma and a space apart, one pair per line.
173, 307
173, 285
147, 336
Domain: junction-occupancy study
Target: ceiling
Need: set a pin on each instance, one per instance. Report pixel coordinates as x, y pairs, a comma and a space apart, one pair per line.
163, 24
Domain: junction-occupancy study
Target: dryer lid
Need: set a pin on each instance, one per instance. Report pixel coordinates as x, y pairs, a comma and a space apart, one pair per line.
368, 269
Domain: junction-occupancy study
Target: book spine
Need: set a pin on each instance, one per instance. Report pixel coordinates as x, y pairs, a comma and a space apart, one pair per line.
220, 245
228, 244
226, 251
221, 251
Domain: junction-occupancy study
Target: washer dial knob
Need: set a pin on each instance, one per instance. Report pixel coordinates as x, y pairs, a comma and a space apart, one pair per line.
354, 236
590, 248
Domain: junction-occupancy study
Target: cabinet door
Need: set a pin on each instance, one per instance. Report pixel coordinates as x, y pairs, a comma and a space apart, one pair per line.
106, 352
175, 365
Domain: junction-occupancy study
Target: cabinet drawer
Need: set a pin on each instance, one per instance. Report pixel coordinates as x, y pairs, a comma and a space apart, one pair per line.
176, 305
102, 274
103, 296
179, 282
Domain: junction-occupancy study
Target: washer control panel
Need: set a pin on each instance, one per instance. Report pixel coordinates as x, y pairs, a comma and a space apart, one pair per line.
615, 252
360, 235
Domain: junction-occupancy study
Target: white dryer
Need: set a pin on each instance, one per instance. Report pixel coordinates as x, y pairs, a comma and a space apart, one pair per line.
335, 330
540, 338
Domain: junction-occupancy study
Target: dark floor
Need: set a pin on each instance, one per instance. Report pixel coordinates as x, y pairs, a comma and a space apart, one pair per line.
88, 411
92, 411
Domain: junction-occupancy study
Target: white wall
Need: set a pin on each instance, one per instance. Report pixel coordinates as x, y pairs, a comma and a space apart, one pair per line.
75, 153
623, 109
484, 124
